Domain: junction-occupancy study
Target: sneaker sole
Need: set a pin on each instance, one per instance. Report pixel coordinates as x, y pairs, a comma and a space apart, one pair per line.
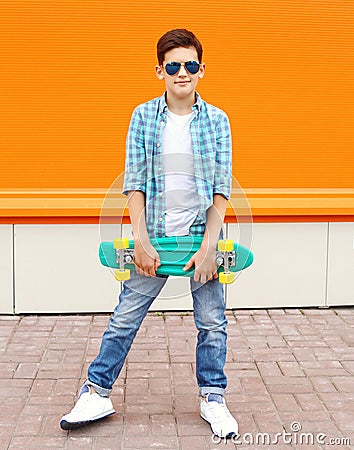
64, 425
229, 436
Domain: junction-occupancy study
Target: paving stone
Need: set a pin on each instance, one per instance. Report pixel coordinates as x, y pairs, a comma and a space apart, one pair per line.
26, 370
163, 424
145, 442
137, 424
192, 425
282, 365
338, 401
4, 441
344, 420
344, 384
15, 388
281, 386
309, 402
253, 385
291, 369
194, 442
285, 402
159, 386
137, 386
12, 405
246, 423
74, 442
8, 369
186, 404
268, 422
323, 384
29, 425
37, 442
50, 424
108, 443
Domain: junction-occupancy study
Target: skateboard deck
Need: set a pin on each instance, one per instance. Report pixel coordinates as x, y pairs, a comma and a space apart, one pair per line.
174, 254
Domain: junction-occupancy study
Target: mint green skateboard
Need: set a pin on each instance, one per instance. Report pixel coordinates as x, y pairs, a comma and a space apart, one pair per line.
174, 254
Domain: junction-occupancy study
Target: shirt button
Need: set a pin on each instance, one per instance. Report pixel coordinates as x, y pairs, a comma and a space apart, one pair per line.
160, 219
158, 145
160, 169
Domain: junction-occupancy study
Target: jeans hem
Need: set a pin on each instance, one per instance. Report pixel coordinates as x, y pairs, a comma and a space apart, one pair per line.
203, 391
100, 390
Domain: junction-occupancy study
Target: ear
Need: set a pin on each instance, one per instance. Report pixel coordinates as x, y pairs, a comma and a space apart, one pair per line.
201, 70
159, 72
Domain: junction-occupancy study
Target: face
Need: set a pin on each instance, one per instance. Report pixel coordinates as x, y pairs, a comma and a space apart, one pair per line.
183, 83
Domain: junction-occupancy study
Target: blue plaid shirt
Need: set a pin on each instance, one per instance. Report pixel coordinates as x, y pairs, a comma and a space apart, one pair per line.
212, 149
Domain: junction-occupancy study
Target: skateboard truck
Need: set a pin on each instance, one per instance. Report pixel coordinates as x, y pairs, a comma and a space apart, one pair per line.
123, 255
226, 257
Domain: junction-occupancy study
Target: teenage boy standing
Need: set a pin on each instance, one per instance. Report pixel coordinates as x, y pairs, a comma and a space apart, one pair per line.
177, 179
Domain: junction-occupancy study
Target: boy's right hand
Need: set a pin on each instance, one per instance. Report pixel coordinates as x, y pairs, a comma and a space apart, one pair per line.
146, 259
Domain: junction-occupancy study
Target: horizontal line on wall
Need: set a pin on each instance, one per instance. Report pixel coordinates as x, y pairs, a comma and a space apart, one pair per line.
107, 203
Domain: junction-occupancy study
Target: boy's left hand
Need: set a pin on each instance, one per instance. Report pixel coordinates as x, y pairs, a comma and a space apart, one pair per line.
205, 265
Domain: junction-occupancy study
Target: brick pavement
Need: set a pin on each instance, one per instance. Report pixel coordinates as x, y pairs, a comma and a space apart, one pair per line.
284, 366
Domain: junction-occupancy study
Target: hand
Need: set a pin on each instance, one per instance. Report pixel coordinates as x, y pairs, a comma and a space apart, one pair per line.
146, 259
205, 265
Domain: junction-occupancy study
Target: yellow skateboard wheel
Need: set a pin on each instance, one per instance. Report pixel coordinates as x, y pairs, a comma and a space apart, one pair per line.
225, 245
122, 275
226, 278
120, 243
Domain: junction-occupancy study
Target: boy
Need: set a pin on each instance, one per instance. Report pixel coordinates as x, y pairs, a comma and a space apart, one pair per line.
177, 179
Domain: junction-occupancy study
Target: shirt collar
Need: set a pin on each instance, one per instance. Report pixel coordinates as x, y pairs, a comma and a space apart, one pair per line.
163, 105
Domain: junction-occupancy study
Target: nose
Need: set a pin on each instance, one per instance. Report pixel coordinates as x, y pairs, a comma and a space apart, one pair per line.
182, 72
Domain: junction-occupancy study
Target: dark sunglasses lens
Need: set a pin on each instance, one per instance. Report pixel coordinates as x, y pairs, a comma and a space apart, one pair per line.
192, 67
172, 68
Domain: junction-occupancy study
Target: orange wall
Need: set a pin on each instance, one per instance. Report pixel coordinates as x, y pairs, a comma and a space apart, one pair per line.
72, 71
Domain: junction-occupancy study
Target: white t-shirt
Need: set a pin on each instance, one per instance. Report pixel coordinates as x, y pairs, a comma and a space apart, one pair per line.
181, 197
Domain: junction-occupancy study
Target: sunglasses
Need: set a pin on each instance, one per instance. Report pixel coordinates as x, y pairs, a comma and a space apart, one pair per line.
191, 66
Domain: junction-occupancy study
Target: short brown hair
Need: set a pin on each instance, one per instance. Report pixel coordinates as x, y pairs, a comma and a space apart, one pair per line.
178, 38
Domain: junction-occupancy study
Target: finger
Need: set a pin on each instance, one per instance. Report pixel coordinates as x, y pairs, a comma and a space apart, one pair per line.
144, 271
153, 268
149, 270
203, 279
187, 266
157, 264
139, 271
196, 276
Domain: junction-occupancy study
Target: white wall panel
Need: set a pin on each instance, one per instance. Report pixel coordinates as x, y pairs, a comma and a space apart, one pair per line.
174, 296
6, 269
289, 266
341, 264
58, 270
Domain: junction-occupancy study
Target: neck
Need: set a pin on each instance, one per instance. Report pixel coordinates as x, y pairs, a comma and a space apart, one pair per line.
180, 106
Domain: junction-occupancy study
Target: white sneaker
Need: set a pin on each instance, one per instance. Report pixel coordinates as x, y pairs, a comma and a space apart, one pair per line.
89, 407
213, 409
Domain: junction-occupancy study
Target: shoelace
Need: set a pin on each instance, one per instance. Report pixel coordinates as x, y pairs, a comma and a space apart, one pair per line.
81, 402
217, 409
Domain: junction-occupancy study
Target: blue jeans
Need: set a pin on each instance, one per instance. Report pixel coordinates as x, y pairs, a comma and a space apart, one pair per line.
134, 301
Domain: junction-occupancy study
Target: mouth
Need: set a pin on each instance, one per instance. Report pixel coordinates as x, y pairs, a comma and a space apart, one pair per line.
182, 82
